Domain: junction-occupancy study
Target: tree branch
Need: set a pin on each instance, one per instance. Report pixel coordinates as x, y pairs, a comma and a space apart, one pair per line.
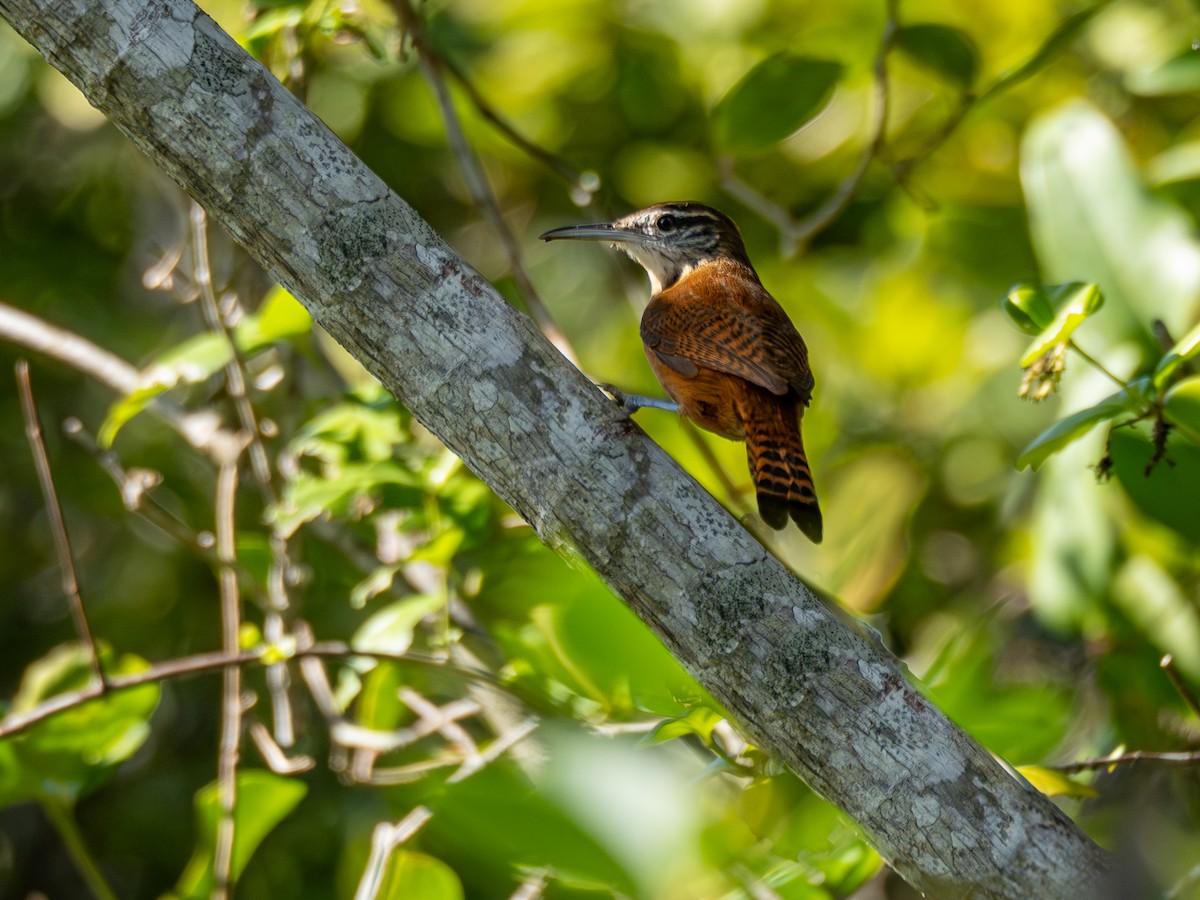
818, 694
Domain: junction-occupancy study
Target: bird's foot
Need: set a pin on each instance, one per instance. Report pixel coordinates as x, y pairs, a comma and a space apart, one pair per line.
631, 403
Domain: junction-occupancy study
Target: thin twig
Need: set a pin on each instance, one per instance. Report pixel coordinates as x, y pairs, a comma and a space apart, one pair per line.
134, 486
431, 64
203, 663
1126, 759
821, 218
1168, 666
384, 841
236, 379
556, 164
274, 756
201, 429
1095, 362
235, 369
794, 235
64, 823
231, 694
497, 748
1006, 80
58, 525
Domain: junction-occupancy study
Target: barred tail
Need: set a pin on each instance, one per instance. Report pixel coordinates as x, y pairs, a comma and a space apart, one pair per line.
779, 467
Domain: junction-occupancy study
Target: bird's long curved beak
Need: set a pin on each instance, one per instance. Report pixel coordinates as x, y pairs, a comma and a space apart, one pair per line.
601, 232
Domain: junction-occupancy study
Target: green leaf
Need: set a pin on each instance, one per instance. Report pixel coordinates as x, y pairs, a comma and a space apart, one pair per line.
699, 721
1029, 307
379, 580
495, 823
1163, 610
190, 362
1074, 543
377, 706
1170, 494
125, 408
1055, 784
1066, 31
1073, 427
1013, 719
391, 629
947, 51
1185, 350
441, 549
279, 316
308, 497
1179, 75
1093, 220
411, 874
773, 100
1182, 406
1179, 162
1078, 301
74, 751
263, 800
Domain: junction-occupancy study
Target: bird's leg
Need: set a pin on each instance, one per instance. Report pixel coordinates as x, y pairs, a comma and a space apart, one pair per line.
631, 403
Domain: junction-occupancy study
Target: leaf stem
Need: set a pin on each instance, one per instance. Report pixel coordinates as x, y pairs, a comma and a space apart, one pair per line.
64, 823
1095, 362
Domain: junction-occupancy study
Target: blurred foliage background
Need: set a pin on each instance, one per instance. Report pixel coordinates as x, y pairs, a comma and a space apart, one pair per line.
1026, 142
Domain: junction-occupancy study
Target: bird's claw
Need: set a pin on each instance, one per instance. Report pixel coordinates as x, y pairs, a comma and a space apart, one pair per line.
631, 403
622, 399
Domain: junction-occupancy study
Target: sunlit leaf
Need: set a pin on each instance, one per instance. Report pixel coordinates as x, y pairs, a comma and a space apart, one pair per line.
1029, 307
574, 632
441, 549
800, 825
949, 52
308, 497
74, 751
411, 874
1078, 301
1186, 349
1170, 493
507, 826
391, 629
774, 99
125, 408
380, 579
199, 358
378, 707
279, 316
264, 799
1013, 719
1179, 162
1179, 75
1093, 220
1055, 784
699, 722
1073, 540
1182, 406
1163, 610
1068, 29
1073, 427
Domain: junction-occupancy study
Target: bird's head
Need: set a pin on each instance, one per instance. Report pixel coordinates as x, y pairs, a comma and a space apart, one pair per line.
670, 240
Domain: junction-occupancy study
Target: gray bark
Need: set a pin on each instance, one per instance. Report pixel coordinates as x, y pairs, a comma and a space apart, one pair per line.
818, 694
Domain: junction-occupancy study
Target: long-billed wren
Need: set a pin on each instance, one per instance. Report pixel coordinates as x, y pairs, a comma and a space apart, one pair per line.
722, 347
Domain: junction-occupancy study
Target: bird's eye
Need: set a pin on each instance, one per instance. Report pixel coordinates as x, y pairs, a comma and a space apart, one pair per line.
666, 223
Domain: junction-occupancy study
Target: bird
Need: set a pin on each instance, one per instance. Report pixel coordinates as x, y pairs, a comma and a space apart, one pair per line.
721, 346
